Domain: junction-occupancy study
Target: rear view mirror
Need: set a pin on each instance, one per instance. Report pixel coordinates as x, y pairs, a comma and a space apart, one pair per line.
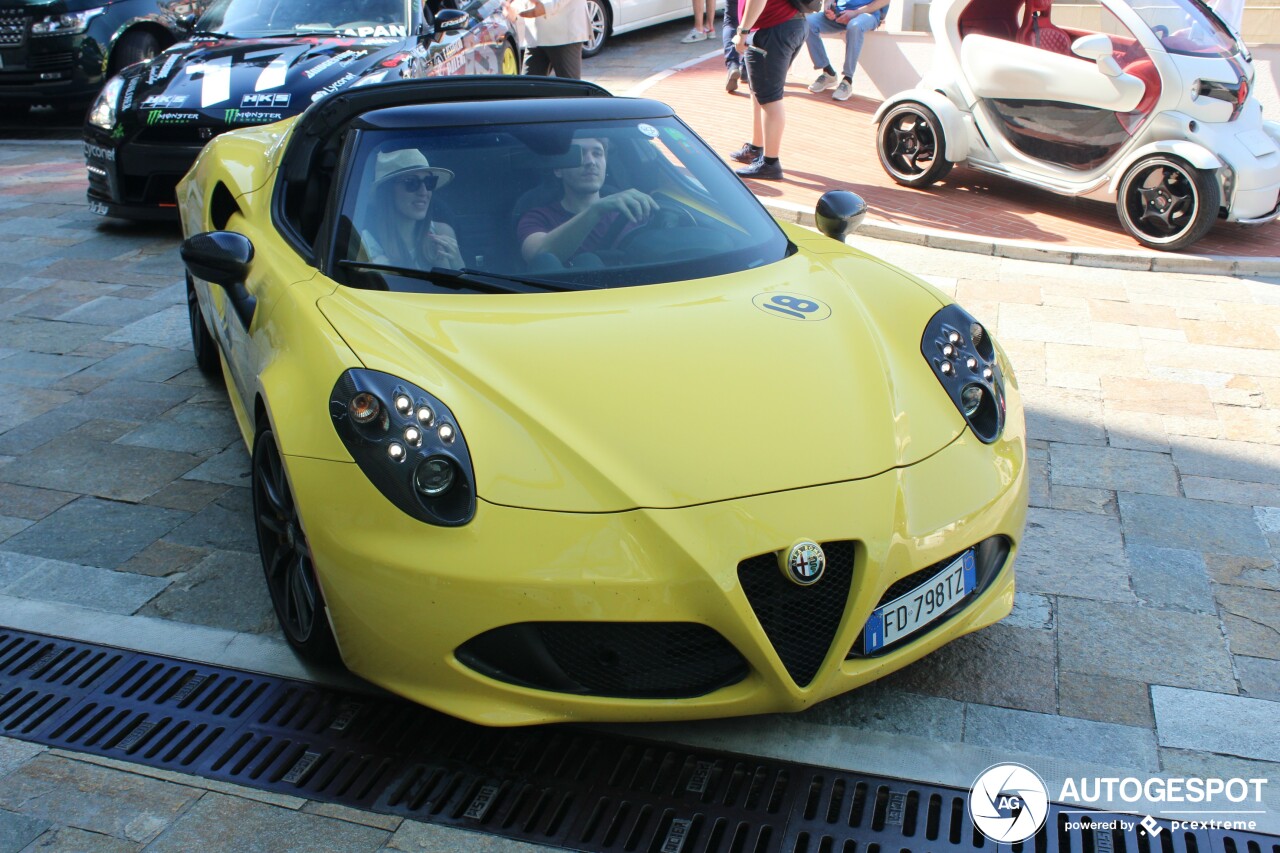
839, 213
220, 257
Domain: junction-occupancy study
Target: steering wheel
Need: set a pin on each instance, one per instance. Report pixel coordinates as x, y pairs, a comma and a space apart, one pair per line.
1161, 30
668, 216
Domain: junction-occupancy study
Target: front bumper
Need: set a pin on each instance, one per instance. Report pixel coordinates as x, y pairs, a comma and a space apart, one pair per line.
404, 596
62, 69
135, 180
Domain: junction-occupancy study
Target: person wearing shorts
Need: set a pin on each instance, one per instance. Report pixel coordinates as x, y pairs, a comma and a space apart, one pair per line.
769, 36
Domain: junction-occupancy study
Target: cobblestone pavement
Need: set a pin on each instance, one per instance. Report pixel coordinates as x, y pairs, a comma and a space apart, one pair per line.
1145, 640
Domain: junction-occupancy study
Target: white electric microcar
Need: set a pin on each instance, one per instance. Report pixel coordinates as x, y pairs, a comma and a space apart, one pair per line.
1144, 102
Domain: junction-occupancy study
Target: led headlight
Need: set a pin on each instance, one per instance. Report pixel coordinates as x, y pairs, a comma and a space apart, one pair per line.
963, 358
427, 473
66, 23
103, 112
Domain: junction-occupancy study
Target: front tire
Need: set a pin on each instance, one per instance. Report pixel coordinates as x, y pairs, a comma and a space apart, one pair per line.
286, 557
510, 59
599, 24
911, 145
134, 46
202, 343
1166, 203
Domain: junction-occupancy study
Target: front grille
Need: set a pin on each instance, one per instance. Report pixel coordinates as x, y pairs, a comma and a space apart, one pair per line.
636, 660
800, 621
13, 29
989, 557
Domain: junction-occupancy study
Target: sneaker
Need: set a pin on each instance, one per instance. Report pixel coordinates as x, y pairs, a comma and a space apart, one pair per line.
843, 91
762, 171
824, 82
731, 80
694, 36
748, 153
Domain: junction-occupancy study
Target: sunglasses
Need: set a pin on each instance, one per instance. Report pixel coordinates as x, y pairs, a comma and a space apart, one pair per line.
413, 183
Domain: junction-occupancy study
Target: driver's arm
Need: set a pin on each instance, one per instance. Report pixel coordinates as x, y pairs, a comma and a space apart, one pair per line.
564, 240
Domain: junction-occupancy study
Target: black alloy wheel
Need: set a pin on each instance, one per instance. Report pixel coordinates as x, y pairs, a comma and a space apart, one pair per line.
911, 144
202, 343
1166, 203
599, 22
286, 558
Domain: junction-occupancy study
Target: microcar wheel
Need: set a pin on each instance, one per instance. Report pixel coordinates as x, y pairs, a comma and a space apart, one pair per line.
286, 558
202, 344
598, 23
911, 144
1166, 203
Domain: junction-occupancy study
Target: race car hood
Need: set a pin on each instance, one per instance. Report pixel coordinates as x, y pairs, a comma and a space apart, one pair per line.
670, 395
238, 82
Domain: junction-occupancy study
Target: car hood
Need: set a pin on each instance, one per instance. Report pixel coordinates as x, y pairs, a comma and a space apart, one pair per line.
670, 395
249, 81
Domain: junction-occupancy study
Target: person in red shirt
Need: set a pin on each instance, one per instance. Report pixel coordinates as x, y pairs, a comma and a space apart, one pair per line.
769, 37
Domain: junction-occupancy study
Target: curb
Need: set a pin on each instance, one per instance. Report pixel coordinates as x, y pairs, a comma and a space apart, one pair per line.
1028, 250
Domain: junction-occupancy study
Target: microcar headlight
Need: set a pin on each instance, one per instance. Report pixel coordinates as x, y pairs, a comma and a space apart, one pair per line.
407, 443
103, 112
66, 23
963, 357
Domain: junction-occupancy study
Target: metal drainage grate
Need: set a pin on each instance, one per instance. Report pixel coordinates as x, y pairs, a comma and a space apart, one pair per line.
551, 785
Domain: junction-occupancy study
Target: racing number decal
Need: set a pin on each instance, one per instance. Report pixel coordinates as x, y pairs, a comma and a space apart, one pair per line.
274, 74
792, 306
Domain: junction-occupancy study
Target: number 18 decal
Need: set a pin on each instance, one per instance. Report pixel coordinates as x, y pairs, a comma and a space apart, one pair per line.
792, 306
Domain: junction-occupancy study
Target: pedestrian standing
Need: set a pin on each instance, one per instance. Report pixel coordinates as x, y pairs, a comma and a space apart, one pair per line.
853, 18
551, 32
704, 21
769, 36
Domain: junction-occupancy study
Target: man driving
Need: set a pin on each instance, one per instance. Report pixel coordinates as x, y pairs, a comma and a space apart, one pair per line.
582, 221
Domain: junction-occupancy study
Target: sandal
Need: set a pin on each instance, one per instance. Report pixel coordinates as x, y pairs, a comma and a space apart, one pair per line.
694, 36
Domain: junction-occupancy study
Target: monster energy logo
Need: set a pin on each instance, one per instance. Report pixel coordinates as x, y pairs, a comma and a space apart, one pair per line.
236, 115
162, 117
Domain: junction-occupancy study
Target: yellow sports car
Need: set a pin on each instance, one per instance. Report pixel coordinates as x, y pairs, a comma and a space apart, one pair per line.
550, 420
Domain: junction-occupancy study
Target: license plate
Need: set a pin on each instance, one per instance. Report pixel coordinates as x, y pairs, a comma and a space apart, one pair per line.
910, 612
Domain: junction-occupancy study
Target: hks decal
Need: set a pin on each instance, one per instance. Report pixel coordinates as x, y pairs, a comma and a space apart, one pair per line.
163, 102
264, 100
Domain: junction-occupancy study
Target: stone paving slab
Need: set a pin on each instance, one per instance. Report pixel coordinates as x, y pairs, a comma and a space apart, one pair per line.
91, 531
1063, 737
1214, 723
72, 793
87, 586
220, 822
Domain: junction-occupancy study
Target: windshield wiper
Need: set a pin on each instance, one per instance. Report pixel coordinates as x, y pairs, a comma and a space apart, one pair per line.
313, 29
210, 34
465, 278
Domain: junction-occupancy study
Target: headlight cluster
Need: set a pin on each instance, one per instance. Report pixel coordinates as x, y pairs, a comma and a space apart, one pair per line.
407, 443
963, 357
103, 112
67, 23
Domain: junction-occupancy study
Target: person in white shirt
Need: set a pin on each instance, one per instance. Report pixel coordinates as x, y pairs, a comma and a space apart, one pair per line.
551, 33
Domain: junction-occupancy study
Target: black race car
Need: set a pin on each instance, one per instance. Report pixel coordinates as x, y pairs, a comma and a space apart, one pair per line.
61, 51
252, 62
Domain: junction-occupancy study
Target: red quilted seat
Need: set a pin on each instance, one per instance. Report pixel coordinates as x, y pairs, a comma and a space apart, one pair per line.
1038, 31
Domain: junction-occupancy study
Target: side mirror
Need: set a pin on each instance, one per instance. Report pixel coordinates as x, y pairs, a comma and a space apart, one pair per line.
221, 257
839, 213
1098, 47
448, 20
186, 21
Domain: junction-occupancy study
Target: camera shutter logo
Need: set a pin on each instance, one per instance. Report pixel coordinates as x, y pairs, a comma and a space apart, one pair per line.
1008, 803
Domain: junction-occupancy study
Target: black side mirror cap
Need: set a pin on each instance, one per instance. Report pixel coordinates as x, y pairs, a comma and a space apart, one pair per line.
448, 20
220, 257
839, 213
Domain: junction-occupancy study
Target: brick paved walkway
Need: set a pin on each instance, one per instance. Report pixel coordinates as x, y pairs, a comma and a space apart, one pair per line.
830, 145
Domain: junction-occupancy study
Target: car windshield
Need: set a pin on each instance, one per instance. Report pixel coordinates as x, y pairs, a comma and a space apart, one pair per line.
257, 18
1186, 27
545, 206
